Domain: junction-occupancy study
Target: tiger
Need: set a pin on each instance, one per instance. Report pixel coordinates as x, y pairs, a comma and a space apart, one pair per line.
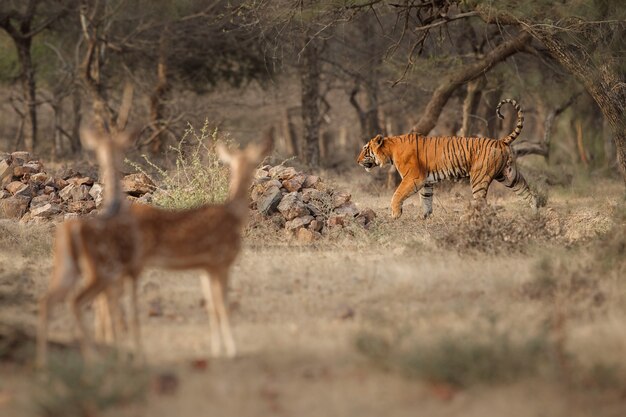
425, 160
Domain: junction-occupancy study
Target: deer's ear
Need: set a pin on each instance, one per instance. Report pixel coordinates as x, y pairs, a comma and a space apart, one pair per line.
223, 153
89, 138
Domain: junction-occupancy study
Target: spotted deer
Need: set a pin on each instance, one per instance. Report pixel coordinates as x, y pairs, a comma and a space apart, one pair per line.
119, 247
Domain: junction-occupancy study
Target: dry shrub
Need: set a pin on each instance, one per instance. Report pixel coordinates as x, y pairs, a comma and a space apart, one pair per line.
73, 387
461, 360
32, 240
482, 229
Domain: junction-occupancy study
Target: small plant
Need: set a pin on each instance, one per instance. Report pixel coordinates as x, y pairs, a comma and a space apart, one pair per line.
198, 178
73, 387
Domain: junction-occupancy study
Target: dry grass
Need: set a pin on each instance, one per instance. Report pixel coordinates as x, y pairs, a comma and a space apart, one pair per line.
376, 321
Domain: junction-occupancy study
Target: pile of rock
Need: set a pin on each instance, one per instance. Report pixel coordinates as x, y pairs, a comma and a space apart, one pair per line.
27, 192
301, 204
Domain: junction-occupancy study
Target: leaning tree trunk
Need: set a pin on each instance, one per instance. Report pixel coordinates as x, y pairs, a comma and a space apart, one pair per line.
28, 92
465, 74
310, 83
157, 107
602, 82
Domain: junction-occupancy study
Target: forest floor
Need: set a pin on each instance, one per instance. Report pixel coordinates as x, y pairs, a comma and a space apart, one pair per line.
517, 315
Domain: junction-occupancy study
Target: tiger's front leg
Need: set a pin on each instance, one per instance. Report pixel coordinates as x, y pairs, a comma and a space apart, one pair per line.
407, 188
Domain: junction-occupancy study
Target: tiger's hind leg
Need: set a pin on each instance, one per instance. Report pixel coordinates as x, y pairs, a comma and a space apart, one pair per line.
426, 195
480, 184
513, 179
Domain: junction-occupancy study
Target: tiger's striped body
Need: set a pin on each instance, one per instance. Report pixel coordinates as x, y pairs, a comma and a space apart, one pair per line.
423, 161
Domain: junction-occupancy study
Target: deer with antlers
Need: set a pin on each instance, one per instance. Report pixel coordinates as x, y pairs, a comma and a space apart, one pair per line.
109, 249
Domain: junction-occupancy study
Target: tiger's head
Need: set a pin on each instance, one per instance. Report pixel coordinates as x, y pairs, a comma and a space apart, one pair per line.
372, 154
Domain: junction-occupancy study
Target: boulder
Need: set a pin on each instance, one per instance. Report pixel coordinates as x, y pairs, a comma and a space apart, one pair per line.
311, 181
96, 192
291, 206
26, 169
19, 188
282, 173
261, 174
66, 192
39, 178
335, 221
137, 184
45, 210
365, 216
340, 198
307, 236
80, 193
81, 206
14, 186
20, 157
13, 207
294, 183
348, 209
4, 194
81, 181
269, 200
298, 222
39, 200
5, 169
316, 225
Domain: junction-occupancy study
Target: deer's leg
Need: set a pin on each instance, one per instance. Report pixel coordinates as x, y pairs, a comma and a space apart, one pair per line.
219, 291
63, 280
85, 296
408, 187
214, 332
135, 319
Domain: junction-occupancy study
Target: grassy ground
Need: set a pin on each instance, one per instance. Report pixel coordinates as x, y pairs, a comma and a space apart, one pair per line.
518, 315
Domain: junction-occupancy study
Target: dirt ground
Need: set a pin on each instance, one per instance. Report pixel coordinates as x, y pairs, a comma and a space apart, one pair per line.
298, 312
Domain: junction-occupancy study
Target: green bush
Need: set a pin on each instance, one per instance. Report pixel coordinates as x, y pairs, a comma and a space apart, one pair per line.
198, 177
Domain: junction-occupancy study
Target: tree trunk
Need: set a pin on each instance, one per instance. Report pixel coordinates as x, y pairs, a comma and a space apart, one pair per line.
310, 82
159, 94
470, 105
603, 84
28, 92
465, 74
77, 118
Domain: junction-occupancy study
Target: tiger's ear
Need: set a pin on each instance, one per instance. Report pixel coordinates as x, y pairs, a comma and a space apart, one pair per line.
378, 140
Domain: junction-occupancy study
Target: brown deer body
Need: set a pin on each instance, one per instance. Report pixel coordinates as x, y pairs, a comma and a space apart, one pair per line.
111, 249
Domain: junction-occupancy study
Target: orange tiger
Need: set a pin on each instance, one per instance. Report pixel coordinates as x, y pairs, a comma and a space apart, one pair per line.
423, 161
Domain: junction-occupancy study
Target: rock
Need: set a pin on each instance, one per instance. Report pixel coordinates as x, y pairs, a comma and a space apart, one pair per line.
40, 200
310, 181
137, 184
81, 181
298, 222
335, 221
39, 178
96, 192
4, 194
340, 198
14, 186
5, 169
291, 206
260, 174
14, 207
259, 189
48, 189
145, 199
278, 220
282, 173
80, 193
269, 200
294, 183
316, 225
20, 157
45, 210
19, 188
66, 192
307, 236
26, 169
81, 206
310, 194
67, 173
366, 216
348, 209
57, 183
70, 216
